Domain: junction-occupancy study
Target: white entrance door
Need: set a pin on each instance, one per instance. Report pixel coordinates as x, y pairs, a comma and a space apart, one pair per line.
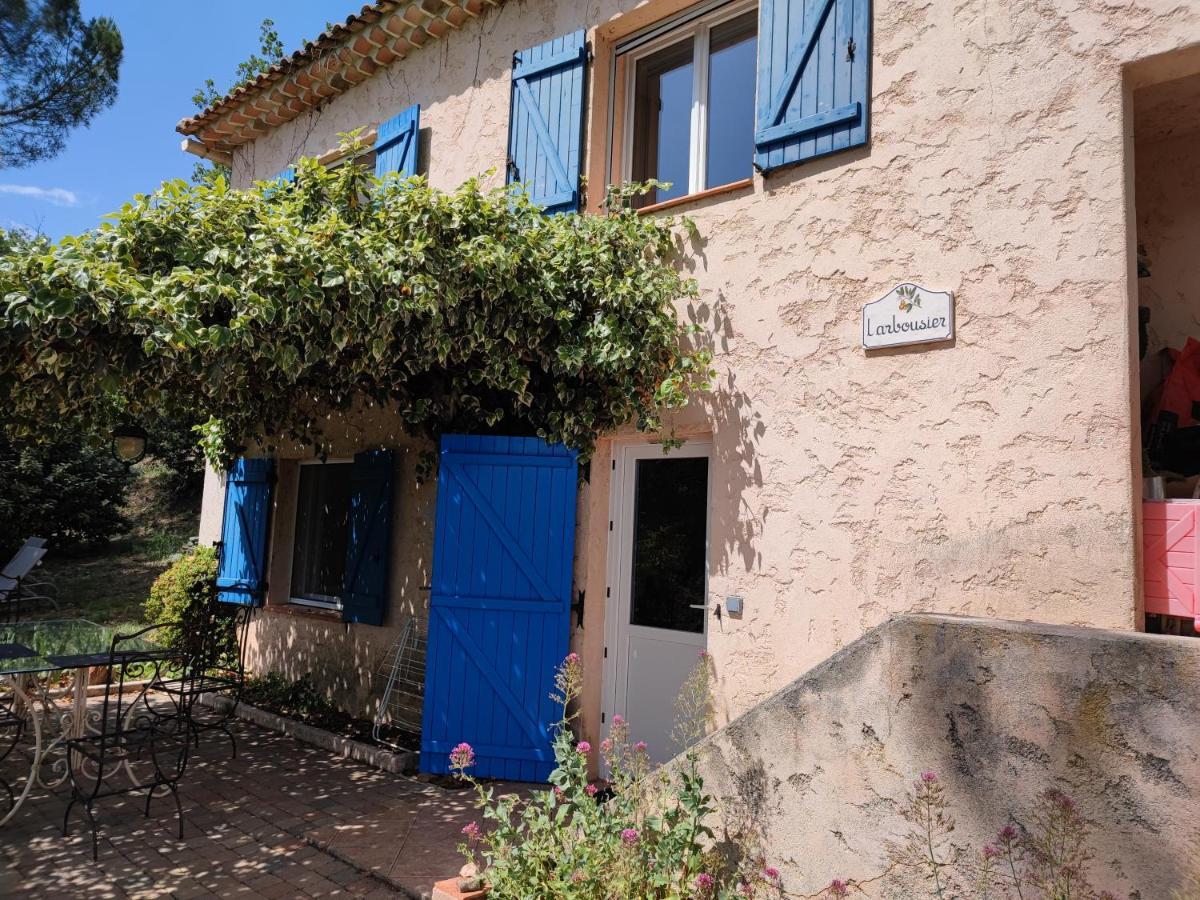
657, 616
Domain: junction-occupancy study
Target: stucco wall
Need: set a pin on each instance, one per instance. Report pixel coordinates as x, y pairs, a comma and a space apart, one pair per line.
999, 711
993, 476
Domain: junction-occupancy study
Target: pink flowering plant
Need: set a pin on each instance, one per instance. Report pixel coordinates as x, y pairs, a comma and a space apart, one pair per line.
644, 836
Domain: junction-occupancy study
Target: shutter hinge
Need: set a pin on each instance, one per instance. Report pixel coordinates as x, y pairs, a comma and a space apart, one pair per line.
614, 465
602, 718
608, 592
578, 607
610, 524
850, 48
606, 653
510, 166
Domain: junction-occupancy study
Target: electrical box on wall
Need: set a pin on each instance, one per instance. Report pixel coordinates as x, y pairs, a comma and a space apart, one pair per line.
733, 606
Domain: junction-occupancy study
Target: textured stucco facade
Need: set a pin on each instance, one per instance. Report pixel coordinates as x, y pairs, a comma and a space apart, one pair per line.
991, 476
998, 711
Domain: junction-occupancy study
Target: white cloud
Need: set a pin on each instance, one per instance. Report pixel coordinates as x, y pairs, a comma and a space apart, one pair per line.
57, 196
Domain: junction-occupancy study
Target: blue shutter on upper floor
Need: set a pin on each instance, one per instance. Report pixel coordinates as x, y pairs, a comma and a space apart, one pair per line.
242, 568
814, 65
368, 550
545, 125
397, 144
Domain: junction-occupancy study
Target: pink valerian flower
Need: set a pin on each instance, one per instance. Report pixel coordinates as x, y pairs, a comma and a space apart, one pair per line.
838, 889
572, 659
462, 756
590, 790
929, 778
640, 746
771, 873
703, 654
1007, 834
704, 882
472, 831
584, 747
558, 793
606, 746
630, 837
989, 851
618, 720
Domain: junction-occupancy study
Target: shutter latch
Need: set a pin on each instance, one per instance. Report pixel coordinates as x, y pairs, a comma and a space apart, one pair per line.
578, 607
850, 48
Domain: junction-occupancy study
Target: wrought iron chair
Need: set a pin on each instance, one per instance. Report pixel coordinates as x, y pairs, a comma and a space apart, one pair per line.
129, 750
12, 721
216, 648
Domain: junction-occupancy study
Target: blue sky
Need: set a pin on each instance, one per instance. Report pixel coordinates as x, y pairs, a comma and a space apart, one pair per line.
171, 46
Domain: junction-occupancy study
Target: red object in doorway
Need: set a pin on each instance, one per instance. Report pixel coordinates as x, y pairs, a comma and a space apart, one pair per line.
1171, 557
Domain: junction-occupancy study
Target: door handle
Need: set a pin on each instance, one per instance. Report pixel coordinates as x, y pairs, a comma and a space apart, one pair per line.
697, 606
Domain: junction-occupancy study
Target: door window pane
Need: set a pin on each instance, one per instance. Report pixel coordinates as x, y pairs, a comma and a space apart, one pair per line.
662, 120
322, 531
670, 553
731, 74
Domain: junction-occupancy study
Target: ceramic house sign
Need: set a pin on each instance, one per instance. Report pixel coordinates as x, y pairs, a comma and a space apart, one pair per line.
908, 314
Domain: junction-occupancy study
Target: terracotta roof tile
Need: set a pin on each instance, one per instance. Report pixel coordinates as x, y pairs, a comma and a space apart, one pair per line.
345, 55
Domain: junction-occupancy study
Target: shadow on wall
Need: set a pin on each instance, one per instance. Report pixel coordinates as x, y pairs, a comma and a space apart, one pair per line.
736, 430
1000, 712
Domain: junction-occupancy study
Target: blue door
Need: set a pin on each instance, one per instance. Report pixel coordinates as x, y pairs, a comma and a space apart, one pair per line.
499, 616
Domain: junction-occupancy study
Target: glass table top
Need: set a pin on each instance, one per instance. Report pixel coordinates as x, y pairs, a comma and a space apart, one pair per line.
54, 644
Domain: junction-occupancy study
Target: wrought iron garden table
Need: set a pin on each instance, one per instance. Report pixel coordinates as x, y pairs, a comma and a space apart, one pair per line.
32, 654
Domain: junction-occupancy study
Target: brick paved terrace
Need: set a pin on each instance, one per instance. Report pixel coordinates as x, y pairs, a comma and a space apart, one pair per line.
282, 820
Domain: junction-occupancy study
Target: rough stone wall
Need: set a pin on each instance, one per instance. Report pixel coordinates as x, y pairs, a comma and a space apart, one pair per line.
999, 711
993, 476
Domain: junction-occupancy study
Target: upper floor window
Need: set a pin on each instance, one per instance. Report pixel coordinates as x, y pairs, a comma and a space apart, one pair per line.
689, 103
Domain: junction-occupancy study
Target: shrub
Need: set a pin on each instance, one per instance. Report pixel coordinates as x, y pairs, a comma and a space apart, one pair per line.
186, 593
67, 489
647, 836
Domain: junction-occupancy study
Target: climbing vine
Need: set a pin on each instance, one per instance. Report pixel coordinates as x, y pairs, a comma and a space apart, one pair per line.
272, 307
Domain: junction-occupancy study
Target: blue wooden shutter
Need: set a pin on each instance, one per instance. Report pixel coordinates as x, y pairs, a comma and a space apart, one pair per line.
504, 542
242, 569
397, 143
545, 125
368, 550
814, 64
287, 176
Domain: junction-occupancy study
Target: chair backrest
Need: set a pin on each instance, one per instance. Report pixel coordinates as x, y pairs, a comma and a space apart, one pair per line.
23, 561
136, 661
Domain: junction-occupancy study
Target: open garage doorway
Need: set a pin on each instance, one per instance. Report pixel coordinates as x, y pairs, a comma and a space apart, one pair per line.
1166, 152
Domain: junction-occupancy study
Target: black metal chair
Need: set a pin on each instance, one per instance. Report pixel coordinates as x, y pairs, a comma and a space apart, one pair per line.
12, 721
131, 749
216, 645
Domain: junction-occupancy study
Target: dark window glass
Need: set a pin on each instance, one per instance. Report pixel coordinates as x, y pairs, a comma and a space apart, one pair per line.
322, 530
662, 120
731, 74
670, 544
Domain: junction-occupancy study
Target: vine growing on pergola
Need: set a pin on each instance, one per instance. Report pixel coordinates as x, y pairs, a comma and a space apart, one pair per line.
269, 308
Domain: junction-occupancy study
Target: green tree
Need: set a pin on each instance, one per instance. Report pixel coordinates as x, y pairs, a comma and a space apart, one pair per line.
63, 487
270, 50
57, 71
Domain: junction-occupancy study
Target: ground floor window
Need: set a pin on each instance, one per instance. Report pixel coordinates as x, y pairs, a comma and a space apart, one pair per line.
322, 532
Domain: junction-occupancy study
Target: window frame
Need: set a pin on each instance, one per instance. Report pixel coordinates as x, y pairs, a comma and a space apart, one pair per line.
333, 604
698, 25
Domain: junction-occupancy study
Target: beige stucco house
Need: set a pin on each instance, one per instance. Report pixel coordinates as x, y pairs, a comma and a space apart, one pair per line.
1014, 155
